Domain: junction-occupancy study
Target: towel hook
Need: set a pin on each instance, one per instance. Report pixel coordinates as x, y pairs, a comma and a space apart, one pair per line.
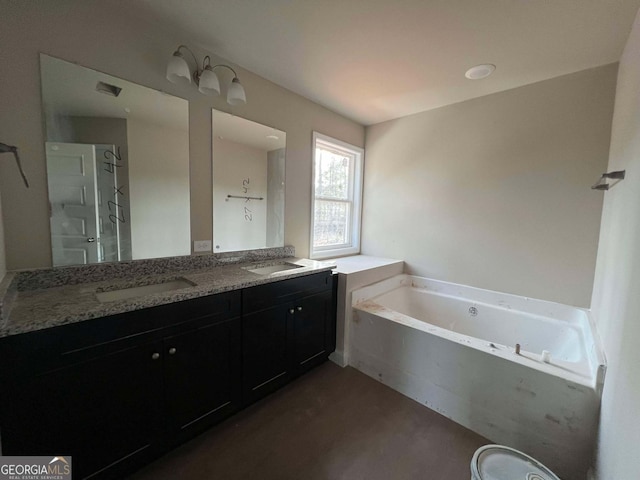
4, 148
602, 184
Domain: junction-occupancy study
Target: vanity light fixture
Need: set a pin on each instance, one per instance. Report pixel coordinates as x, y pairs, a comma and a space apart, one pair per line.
178, 71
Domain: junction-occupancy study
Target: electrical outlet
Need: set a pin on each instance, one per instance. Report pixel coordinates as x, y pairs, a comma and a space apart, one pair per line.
202, 245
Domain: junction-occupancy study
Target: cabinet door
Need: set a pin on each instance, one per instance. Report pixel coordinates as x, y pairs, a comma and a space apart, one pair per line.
265, 351
202, 372
103, 412
312, 330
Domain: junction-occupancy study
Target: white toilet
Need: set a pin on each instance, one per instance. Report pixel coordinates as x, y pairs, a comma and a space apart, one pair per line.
497, 462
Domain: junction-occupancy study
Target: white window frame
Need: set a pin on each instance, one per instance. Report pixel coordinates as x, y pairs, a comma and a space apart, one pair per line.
355, 194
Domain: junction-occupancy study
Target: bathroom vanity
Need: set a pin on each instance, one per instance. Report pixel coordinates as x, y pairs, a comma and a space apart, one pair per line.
117, 390
144, 346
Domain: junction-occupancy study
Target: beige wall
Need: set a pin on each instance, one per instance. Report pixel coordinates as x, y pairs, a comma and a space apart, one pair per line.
93, 35
494, 192
158, 190
616, 295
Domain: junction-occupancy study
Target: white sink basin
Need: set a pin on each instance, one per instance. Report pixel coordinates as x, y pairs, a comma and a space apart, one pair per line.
269, 269
125, 293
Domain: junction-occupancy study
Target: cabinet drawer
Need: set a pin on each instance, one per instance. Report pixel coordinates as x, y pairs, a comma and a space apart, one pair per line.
200, 312
276, 293
37, 352
45, 350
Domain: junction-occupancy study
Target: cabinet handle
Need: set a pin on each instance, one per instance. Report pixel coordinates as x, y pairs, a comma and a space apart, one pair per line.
291, 311
172, 351
155, 356
299, 309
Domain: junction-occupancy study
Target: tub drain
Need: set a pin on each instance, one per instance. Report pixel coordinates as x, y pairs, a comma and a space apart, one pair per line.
473, 311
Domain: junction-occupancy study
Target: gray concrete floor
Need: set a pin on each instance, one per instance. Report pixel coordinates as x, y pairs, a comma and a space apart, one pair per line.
332, 423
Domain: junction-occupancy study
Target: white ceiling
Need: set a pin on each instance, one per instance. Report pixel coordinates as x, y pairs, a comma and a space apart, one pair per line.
374, 60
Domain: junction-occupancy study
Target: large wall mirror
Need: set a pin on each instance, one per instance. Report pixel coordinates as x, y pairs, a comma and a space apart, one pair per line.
248, 184
117, 158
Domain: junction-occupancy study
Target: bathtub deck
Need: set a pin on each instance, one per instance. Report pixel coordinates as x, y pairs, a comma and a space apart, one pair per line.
331, 424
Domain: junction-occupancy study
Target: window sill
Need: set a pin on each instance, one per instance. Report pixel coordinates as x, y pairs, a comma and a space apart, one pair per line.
336, 252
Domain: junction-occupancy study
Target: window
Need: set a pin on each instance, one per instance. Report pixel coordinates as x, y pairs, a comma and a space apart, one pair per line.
337, 194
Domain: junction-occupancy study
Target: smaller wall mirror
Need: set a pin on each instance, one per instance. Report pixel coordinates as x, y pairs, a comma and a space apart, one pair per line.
117, 167
248, 184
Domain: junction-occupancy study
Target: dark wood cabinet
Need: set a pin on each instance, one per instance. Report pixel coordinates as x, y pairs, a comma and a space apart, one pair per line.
290, 336
115, 392
265, 352
312, 331
101, 411
202, 376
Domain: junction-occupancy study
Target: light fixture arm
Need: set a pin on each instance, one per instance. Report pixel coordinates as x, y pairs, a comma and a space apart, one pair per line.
206, 63
188, 50
235, 75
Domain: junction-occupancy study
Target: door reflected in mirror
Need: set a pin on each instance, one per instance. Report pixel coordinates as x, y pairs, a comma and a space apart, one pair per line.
248, 184
117, 158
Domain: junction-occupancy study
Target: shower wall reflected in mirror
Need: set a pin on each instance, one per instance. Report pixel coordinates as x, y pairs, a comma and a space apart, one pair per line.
248, 184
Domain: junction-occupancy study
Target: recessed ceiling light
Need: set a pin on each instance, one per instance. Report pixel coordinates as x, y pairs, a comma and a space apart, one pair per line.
272, 137
480, 71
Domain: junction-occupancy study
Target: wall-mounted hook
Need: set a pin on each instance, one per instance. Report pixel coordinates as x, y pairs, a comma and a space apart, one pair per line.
602, 184
4, 148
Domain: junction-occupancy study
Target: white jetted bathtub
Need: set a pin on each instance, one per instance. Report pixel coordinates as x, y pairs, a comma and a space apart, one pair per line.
453, 348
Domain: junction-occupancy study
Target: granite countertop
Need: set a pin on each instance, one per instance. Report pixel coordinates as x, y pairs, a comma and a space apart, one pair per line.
28, 310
